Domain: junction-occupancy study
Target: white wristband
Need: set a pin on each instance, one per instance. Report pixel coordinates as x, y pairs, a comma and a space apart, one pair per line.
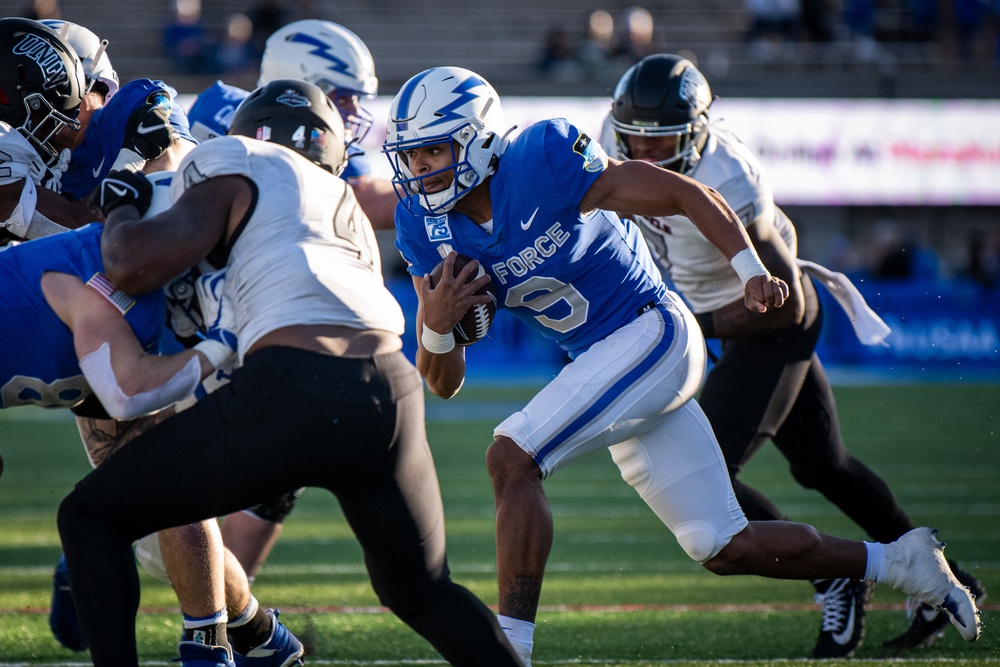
747, 264
436, 343
215, 351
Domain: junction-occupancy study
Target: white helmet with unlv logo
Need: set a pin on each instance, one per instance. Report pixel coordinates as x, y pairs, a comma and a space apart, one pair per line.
327, 55
445, 105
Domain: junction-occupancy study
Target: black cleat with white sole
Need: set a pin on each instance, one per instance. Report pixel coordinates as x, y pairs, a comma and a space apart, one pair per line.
843, 627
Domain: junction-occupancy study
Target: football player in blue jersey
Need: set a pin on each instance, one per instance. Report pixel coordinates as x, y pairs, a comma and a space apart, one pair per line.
536, 213
72, 335
768, 382
77, 342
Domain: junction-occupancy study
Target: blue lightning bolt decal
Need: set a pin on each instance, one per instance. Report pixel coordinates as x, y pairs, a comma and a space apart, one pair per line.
447, 112
322, 50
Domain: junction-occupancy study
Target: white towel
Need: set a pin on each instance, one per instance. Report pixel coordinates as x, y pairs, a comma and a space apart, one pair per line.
868, 326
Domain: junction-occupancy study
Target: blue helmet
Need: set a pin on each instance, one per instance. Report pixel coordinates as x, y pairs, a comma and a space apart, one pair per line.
213, 110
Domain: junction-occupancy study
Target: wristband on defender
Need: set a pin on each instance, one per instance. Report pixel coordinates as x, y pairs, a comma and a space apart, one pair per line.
436, 343
747, 264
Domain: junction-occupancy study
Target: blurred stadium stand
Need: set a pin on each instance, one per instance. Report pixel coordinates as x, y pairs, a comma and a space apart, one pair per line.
502, 41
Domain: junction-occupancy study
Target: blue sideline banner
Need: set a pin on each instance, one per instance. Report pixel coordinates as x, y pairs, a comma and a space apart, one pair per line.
946, 328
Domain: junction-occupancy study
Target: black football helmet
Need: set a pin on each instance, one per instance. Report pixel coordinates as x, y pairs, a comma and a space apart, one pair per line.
41, 82
663, 95
297, 115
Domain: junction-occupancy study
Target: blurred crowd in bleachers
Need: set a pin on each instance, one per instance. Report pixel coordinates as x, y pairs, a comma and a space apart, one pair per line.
565, 44
966, 29
801, 32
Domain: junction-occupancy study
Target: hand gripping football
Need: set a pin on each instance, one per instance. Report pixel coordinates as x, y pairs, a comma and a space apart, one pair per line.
476, 322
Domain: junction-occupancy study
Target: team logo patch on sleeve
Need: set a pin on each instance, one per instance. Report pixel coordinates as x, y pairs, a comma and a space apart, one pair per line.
594, 157
437, 228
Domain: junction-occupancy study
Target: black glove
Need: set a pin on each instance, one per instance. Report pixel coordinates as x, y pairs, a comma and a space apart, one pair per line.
148, 131
124, 188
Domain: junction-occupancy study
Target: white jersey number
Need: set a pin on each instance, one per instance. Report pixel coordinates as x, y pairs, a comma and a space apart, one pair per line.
63, 393
552, 292
351, 227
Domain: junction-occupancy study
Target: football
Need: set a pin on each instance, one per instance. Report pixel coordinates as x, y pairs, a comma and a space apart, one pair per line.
475, 324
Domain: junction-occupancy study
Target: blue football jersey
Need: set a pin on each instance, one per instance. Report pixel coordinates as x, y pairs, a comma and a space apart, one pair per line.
575, 277
92, 159
39, 365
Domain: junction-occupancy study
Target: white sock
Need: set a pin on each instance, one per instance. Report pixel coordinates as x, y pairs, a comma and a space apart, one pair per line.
244, 616
520, 634
875, 568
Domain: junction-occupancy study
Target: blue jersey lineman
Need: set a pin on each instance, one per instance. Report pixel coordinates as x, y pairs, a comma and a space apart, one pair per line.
107, 131
40, 365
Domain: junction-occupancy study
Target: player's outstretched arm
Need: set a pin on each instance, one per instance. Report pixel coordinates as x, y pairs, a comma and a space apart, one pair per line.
734, 319
141, 255
641, 188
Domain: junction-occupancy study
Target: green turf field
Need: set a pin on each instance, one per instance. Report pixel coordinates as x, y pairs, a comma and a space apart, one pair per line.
618, 591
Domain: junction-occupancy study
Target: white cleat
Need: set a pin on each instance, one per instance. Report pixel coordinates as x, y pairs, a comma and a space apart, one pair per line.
917, 567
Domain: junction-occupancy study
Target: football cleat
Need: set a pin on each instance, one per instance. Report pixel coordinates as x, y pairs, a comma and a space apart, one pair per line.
843, 625
917, 567
281, 649
928, 623
63, 620
195, 654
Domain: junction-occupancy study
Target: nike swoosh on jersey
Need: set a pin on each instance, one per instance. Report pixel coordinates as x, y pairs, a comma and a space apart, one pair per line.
146, 129
844, 636
97, 169
526, 225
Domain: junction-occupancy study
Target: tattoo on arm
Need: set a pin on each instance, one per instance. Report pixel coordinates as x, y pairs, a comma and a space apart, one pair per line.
104, 437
